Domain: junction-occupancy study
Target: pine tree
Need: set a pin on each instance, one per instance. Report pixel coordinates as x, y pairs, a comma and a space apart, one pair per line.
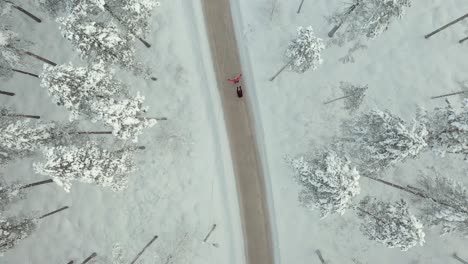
381, 140
124, 116
56, 8
390, 224
15, 229
15, 192
328, 180
87, 164
133, 15
76, 87
10, 58
368, 18
448, 129
97, 40
303, 53
446, 203
353, 96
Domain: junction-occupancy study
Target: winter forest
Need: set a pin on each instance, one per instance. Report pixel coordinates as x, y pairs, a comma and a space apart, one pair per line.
110, 147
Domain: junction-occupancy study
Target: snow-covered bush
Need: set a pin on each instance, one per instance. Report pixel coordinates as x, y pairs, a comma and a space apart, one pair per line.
134, 15
13, 230
368, 18
88, 164
76, 87
381, 140
390, 224
448, 129
97, 40
11, 54
304, 51
446, 203
328, 180
124, 116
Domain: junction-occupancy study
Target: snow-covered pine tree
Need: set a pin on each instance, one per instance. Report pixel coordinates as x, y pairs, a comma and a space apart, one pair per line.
353, 95
6, 7
303, 52
390, 224
13, 192
97, 40
11, 58
368, 18
446, 203
329, 181
448, 129
124, 116
76, 87
56, 8
133, 15
381, 140
15, 229
88, 164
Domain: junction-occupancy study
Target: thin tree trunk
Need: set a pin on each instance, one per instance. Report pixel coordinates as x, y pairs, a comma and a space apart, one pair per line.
155, 118
25, 116
414, 188
449, 94
7, 93
143, 250
446, 26
35, 18
40, 58
89, 258
36, 184
319, 255
120, 21
300, 7
27, 73
132, 148
70, 262
280, 71
53, 212
209, 233
455, 256
93, 133
339, 98
462, 40
369, 214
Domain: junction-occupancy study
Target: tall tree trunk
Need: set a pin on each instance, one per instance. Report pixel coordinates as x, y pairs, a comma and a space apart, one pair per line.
455, 256
415, 192
449, 94
336, 27
369, 214
89, 258
27, 73
40, 58
319, 255
92, 133
132, 148
334, 30
209, 233
35, 18
300, 7
143, 250
36, 184
70, 262
462, 40
24, 116
446, 26
120, 21
53, 212
7, 93
339, 98
280, 71
155, 118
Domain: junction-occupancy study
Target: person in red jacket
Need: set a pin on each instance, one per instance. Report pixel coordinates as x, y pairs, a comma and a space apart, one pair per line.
236, 80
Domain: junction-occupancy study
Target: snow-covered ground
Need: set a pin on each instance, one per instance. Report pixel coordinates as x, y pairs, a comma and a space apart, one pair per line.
184, 184
402, 70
